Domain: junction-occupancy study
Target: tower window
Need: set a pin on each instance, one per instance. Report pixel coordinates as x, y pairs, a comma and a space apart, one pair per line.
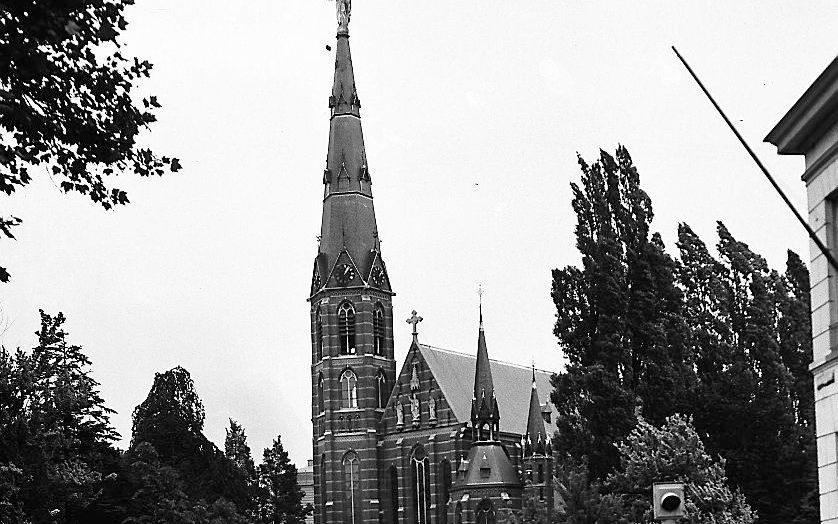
323, 488
351, 488
394, 495
381, 387
540, 473
421, 485
321, 401
318, 335
444, 490
348, 389
378, 329
346, 320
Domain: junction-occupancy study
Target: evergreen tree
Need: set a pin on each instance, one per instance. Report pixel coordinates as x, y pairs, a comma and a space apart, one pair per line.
55, 434
237, 450
674, 453
282, 497
618, 318
171, 419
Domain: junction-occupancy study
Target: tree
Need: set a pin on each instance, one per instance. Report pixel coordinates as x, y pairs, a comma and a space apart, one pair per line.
171, 419
618, 318
67, 101
282, 497
237, 450
675, 453
55, 435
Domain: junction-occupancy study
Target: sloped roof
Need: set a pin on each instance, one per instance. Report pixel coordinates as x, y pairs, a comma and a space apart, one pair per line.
454, 373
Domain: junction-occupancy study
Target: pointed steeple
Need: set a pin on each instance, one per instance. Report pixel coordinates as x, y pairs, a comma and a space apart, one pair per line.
536, 434
484, 409
348, 222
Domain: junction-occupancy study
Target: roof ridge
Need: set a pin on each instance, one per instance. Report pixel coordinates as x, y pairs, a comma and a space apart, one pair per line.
460, 353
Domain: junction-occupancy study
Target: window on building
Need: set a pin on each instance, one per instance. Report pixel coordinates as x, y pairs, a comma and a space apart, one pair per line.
421, 484
458, 513
323, 488
351, 488
444, 476
318, 335
381, 389
540, 473
321, 394
346, 321
485, 512
394, 494
348, 390
378, 329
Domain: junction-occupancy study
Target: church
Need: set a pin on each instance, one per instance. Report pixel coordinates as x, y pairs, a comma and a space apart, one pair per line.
451, 437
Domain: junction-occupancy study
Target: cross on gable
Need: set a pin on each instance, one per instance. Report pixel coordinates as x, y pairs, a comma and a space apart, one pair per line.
414, 319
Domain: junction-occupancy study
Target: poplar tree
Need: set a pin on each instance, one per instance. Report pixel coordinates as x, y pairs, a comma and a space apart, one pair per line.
617, 318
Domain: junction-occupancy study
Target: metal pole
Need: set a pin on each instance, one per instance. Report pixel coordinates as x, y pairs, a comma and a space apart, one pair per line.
832, 261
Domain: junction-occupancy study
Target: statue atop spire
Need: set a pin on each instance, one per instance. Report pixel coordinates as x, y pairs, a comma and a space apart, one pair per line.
344, 11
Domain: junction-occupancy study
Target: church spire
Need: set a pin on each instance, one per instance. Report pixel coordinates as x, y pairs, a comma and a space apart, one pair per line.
484, 409
349, 243
536, 436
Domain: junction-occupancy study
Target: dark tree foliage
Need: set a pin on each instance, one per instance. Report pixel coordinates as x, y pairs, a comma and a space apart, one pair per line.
67, 101
281, 501
618, 318
171, 419
237, 450
750, 329
722, 338
55, 436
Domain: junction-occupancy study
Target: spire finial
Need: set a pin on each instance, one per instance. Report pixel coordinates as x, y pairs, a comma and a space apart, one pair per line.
344, 11
533, 373
480, 302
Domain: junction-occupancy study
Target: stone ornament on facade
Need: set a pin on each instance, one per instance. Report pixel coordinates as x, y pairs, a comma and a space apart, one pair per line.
414, 410
399, 412
431, 406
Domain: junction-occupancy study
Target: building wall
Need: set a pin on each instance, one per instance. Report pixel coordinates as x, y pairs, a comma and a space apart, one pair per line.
822, 192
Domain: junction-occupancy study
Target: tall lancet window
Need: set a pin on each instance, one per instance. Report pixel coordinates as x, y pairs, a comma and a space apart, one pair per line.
348, 390
485, 512
444, 493
381, 388
321, 401
351, 488
378, 329
346, 320
421, 485
323, 488
318, 334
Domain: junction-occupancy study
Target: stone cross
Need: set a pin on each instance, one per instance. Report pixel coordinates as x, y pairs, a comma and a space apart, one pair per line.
414, 319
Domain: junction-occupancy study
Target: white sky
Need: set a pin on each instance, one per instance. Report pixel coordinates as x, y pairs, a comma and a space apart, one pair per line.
473, 114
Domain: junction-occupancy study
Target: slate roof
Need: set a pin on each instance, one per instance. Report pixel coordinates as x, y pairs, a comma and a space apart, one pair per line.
454, 373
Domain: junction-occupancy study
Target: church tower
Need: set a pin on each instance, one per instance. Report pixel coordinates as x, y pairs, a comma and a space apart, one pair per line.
353, 367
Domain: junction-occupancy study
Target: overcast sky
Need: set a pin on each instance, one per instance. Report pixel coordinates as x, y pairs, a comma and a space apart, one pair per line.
473, 114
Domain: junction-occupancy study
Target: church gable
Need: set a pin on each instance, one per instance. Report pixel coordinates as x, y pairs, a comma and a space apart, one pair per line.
344, 272
416, 392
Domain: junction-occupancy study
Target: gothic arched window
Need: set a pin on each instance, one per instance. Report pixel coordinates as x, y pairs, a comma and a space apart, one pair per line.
444, 493
321, 400
346, 321
378, 329
318, 334
394, 494
323, 488
540, 473
348, 390
381, 389
458, 513
421, 484
485, 512
351, 488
